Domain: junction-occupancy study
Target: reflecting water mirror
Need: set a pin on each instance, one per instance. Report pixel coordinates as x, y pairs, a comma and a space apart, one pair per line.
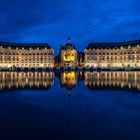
70, 105
93, 80
10, 80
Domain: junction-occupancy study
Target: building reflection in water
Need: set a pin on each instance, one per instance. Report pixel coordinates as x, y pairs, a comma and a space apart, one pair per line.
129, 80
9, 80
68, 80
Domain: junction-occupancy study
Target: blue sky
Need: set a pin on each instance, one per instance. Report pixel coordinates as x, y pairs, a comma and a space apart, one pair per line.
51, 21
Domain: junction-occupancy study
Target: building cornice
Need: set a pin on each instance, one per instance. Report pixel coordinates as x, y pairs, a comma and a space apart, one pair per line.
25, 45
113, 44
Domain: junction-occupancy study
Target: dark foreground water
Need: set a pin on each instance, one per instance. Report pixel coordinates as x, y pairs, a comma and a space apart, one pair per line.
70, 106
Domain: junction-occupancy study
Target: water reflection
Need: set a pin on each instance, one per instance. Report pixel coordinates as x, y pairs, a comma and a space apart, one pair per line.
68, 80
9, 80
129, 80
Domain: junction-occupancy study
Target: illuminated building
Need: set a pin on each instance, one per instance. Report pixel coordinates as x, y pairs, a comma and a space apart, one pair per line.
26, 55
68, 55
125, 55
112, 55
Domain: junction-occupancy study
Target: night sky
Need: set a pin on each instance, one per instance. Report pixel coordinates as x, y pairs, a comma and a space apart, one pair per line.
52, 21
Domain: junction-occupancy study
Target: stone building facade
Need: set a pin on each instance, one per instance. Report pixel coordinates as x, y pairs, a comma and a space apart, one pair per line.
26, 56
68, 55
123, 55
112, 55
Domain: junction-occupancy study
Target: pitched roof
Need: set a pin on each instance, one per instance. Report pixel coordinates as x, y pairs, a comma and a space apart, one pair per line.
113, 44
25, 45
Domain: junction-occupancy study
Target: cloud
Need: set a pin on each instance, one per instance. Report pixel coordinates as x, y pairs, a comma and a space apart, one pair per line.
85, 21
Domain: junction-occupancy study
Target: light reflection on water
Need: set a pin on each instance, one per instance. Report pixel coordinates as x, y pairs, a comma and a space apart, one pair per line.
102, 105
92, 80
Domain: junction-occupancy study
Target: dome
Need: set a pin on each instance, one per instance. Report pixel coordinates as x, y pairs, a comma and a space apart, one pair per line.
68, 45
